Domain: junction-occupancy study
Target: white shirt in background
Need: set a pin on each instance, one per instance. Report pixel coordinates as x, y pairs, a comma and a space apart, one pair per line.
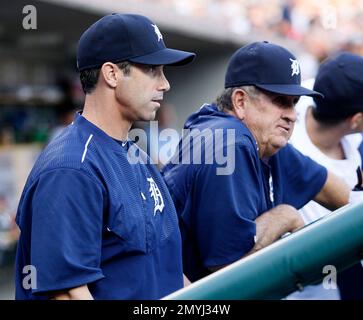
345, 169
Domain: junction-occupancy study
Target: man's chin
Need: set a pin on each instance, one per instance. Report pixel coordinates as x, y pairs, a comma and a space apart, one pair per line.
281, 145
149, 117
277, 147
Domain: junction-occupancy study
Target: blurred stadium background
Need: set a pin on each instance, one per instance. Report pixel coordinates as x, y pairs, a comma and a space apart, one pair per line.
39, 86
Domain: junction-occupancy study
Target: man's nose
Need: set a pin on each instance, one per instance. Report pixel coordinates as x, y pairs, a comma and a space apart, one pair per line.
290, 114
164, 83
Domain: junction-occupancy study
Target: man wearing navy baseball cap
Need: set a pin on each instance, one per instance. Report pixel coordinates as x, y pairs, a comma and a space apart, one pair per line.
230, 212
94, 223
126, 37
328, 130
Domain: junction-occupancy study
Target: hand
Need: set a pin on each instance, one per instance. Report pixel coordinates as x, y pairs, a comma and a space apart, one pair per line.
274, 223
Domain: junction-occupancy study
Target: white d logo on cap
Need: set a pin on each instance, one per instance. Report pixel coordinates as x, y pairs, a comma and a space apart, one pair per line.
157, 31
295, 67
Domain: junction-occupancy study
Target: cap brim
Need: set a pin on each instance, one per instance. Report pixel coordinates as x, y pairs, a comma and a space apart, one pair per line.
289, 90
165, 56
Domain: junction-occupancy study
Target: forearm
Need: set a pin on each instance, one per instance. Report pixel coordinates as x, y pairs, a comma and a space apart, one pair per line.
273, 224
79, 293
334, 194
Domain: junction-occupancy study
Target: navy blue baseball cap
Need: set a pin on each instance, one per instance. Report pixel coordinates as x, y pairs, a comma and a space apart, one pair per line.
120, 37
266, 66
340, 80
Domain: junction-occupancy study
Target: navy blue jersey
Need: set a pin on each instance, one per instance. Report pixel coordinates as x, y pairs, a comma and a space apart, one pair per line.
89, 216
217, 211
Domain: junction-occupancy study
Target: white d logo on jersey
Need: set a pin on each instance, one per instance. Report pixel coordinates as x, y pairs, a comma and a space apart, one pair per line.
157, 31
295, 67
156, 194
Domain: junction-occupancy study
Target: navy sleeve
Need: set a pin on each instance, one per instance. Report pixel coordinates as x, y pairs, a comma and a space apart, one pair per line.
302, 177
226, 207
67, 209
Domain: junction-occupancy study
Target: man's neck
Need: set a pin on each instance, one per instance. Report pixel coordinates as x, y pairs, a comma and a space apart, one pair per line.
105, 114
261, 147
326, 138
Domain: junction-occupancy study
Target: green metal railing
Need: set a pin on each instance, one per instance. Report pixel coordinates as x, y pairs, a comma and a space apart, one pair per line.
289, 264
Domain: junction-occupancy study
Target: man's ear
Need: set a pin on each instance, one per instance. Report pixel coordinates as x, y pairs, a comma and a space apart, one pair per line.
110, 74
239, 101
356, 121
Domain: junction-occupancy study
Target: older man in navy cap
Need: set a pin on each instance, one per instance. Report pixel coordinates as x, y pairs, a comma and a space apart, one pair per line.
230, 212
329, 131
93, 224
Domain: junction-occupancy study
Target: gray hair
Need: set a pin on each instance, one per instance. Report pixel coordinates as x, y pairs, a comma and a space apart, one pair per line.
224, 100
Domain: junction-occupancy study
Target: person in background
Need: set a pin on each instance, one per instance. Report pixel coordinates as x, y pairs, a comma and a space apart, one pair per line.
328, 130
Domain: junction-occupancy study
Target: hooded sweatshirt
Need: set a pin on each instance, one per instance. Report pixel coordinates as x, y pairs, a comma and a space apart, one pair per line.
219, 186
